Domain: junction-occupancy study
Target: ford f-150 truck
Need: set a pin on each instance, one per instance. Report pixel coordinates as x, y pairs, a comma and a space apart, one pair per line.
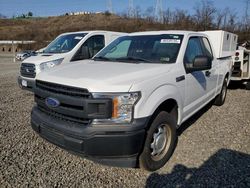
67, 47
123, 107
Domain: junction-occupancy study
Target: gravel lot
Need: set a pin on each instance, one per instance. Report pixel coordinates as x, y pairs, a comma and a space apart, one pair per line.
213, 148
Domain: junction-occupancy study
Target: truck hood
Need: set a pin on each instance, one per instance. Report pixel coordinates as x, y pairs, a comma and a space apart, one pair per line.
40, 58
97, 76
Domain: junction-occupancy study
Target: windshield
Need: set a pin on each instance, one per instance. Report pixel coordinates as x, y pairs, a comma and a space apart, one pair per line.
147, 48
64, 43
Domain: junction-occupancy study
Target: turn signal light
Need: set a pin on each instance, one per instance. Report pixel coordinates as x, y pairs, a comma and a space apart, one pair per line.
115, 107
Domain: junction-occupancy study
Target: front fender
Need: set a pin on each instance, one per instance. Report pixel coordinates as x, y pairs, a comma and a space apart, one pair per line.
151, 101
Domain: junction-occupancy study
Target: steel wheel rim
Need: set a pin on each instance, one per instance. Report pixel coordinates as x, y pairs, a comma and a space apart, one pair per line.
160, 142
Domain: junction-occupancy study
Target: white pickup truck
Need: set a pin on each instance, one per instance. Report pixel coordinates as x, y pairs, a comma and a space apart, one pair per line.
67, 47
123, 107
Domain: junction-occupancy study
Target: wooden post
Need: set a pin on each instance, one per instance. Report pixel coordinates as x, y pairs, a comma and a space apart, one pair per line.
13, 50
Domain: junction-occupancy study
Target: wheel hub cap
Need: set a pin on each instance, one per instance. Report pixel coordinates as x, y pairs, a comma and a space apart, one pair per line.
159, 141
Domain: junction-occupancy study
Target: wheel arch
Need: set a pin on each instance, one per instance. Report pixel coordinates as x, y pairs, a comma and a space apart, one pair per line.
164, 97
169, 105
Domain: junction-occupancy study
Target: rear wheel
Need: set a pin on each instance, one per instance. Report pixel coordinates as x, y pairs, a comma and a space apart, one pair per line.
160, 142
220, 99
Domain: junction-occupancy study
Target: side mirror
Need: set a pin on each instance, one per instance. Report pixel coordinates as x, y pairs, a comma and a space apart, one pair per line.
200, 63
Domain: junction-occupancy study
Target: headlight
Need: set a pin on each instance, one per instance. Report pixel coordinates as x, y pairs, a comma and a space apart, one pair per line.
123, 106
50, 64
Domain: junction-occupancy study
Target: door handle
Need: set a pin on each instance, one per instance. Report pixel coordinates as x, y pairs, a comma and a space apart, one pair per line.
180, 78
207, 73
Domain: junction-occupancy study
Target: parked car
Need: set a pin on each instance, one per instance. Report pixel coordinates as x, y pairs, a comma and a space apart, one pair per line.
123, 107
25, 54
40, 51
67, 47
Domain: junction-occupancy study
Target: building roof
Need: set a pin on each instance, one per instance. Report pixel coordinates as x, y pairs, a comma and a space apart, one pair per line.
16, 42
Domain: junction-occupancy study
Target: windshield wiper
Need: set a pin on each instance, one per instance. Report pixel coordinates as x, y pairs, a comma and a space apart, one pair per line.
131, 58
101, 58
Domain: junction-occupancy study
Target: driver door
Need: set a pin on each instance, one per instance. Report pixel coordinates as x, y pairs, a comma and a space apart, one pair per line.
198, 83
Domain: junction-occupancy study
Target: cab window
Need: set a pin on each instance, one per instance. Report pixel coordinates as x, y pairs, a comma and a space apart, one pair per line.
64, 43
207, 47
194, 49
121, 50
162, 49
90, 48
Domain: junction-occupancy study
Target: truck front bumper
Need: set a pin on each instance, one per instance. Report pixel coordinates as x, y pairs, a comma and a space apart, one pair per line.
26, 83
106, 144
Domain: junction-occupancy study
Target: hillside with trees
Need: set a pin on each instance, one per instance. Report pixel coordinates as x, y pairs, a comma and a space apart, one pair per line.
204, 17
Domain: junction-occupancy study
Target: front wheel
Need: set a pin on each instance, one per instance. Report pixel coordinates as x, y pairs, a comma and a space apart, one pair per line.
220, 99
160, 142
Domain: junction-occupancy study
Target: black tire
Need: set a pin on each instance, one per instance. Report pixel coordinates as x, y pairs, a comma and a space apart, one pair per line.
220, 99
148, 160
248, 85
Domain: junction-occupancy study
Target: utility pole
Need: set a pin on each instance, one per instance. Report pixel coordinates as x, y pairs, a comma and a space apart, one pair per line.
131, 10
109, 6
159, 11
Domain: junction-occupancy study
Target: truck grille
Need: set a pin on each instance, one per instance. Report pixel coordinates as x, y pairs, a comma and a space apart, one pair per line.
71, 108
28, 70
62, 89
62, 117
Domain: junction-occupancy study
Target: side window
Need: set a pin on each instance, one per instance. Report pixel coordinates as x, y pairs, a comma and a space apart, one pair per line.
121, 50
94, 44
90, 48
194, 49
207, 48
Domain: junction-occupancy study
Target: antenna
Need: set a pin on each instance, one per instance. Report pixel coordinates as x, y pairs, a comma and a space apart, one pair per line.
109, 6
131, 11
159, 11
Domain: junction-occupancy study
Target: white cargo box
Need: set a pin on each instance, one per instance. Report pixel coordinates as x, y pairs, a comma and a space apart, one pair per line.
223, 42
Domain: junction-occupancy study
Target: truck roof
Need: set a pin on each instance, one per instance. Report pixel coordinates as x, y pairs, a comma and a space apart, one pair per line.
93, 31
181, 32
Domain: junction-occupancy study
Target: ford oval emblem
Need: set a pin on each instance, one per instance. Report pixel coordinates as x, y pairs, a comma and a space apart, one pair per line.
52, 102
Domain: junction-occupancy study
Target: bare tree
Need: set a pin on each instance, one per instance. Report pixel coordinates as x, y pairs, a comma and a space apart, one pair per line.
231, 26
30, 14
149, 14
167, 16
220, 14
137, 12
246, 18
182, 20
204, 14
